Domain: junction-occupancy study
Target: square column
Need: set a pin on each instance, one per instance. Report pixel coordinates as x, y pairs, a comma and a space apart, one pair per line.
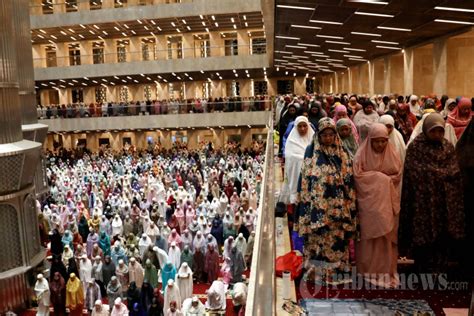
371, 78
408, 71
336, 83
108, 4
440, 66
110, 51
188, 45
243, 41
349, 79
62, 54
135, 48
161, 47
83, 6
217, 44
85, 48
387, 75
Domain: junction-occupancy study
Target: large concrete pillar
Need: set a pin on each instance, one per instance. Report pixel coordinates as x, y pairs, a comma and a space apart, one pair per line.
217, 44
21, 248
62, 54
135, 48
371, 78
440, 66
387, 75
336, 83
349, 79
188, 45
85, 48
408, 71
110, 51
243, 41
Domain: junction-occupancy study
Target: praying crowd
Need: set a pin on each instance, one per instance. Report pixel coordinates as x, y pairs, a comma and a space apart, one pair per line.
371, 181
153, 107
139, 232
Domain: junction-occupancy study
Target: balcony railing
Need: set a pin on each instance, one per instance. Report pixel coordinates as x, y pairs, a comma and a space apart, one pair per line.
48, 7
261, 298
156, 54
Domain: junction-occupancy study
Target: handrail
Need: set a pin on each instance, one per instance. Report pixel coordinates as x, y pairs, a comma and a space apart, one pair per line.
141, 55
261, 297
78, 5
82, 110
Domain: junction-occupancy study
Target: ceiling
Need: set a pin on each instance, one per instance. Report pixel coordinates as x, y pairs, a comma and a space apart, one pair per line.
152, 79
101, 31
328, 26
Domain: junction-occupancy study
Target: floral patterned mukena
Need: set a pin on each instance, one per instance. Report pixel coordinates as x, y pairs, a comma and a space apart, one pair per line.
326, 213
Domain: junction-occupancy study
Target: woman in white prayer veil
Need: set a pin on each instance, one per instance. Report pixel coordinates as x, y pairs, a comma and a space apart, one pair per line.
143, 243
449, 133
171, 294
42, 295
200, 242
184, 281
193, 307
117, 226
299, 138
174, 255
223, 201
395, 138
241, 244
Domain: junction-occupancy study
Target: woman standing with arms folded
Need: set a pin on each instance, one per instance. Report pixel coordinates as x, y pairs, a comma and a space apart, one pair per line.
377, 173
326, 214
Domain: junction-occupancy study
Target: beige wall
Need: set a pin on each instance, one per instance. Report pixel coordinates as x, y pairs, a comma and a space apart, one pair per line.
379, 69
364, 78
423, 70
461, 65
396, 74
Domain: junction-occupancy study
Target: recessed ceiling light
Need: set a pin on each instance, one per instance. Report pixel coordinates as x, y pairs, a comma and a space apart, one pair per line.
305, 27
184, 21
282, 6
454, 9
384, 42
337, 51
312, 52
353, 56
374, 14
235, 27
326, 22
282, 52
371, 2
338, 43
366, 34
309, 45
139, 21
393, 29
200, 15
82, 26
388, 47
355, 49
297, 47
329, 36
454, 22
246, 24
159, 28
232, 20
287, 37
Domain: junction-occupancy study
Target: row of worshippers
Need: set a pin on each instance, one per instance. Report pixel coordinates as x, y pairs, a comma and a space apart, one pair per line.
368, 196
75, 299
361, 111
102, 222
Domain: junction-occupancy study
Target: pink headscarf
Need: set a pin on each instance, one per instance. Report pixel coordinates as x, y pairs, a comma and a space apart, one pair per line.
174, 237
342, 109
377, 179
456, 120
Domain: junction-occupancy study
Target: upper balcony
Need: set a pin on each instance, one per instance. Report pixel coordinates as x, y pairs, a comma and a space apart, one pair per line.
57, 13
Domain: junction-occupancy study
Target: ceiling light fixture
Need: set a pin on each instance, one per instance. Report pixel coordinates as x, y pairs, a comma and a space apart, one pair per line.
374, 14
338, 43
355, 49
337, 51
454, 9
287, 37
326, 22
388, 47
366, 34
385, 42
353, 56
283, 6
371, 2
329, 36
297, 47
394, 28
305, 27
454, 22
309, 45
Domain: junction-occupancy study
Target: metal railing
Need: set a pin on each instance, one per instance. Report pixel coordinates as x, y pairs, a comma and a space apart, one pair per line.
86, 5
243, 104
151, 55
261, 296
